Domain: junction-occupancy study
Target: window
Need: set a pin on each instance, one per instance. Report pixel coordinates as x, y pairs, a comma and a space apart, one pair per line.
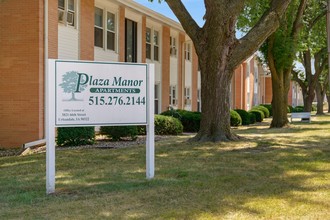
199, 107
156, 45
187, 51
107, 32
66, 12
173, 99
156, 98
111, 31
173, 50
148, 43
130, 41
187, 96
152, 44
98, 28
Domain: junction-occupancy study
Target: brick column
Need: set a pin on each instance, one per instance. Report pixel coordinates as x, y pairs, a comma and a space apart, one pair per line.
86, 30
181, 69
194, 79
144, 29
22, 72
165, 68
121, 34
53, 29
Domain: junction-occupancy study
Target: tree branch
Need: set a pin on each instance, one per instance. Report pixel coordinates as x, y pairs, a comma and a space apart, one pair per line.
187, 22
297, 24
316, 19
267, 24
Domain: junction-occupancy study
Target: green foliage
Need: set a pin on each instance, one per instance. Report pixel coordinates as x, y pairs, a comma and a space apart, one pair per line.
253, 118
190, 120
259, 114
235, 119
290, 108
245, 116
75, 136
314, 107
269, 107
167, 125
263, 109
118, 132
298, 109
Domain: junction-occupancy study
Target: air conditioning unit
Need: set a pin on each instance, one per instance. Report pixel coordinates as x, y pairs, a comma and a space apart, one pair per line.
70, 18
60, 15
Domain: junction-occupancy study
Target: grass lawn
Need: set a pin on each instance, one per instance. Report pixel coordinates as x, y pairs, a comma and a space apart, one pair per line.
270, 174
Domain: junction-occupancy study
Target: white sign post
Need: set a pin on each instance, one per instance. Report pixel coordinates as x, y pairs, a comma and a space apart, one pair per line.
82, 93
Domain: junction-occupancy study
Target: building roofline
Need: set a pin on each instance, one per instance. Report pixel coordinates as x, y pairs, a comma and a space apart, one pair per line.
151, 14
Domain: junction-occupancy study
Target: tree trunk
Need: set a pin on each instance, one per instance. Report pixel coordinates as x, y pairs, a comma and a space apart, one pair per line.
280, 85
328, 99
215, 121
320, 98
308, 99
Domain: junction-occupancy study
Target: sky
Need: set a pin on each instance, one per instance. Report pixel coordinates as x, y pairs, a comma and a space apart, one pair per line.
195, 7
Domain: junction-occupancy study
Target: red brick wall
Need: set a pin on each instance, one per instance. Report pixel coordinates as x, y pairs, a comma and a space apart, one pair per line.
52, 29
21, 69
86, 30
121, 34
165, 67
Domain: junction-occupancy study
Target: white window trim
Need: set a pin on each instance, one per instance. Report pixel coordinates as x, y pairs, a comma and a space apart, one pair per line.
187, 51
105, 28
65, 11
173, 95
153, 44
173, 46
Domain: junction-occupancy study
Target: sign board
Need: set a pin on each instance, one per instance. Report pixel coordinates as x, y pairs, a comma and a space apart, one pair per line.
89, 93
85, 93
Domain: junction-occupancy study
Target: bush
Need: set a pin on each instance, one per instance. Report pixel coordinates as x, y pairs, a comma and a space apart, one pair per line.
314, 107
253, 118
167, 125
298, 109
117, 132
259, 114
263, 109
245, 116
190, 120
75, 136
290, 108
269, 107
235, 119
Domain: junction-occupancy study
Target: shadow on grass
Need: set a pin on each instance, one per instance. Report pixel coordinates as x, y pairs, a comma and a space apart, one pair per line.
192, 180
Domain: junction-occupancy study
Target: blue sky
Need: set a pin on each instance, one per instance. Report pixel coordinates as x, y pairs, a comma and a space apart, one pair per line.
195, 7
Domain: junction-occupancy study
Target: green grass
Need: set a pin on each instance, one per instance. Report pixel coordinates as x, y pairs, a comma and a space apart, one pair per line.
270, 174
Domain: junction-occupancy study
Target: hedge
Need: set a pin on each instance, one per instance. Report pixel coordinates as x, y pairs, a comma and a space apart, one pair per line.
75, 136
190, 120
253, 118
263, 109
167, 125
116, 133
269, 107
235, 119
259, 114
245, 116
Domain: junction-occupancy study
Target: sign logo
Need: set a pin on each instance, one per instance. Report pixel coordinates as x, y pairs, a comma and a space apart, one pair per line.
70, 84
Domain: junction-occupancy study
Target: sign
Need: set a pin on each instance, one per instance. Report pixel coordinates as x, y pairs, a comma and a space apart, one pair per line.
96, 93
85, 93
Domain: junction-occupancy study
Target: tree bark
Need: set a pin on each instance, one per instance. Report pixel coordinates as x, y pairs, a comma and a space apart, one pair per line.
219, 53
320, 93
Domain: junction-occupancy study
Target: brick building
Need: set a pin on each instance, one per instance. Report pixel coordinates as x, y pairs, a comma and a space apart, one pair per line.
101, 30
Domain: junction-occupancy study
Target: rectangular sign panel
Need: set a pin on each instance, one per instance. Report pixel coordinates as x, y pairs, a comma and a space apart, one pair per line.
100, 93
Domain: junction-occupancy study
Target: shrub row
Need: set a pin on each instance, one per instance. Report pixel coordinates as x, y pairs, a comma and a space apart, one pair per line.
74, 136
